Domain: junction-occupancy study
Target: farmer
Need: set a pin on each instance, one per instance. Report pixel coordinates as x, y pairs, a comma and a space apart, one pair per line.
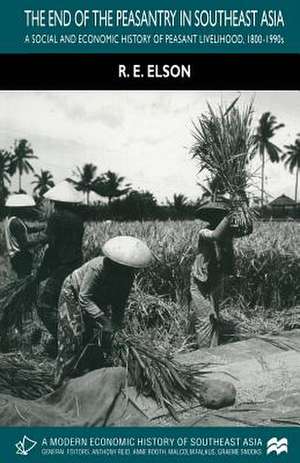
63, 254
93, 298
18, 233
214, 261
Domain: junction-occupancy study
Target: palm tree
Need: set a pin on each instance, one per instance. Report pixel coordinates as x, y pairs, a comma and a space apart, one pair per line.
179, 201
292, 161
22, 153
86, 179
5, 159
266, 130
44, 181
138, 205
178, 204
109, 185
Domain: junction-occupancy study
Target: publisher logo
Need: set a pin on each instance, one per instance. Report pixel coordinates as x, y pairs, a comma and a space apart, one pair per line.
277, 446
25, 446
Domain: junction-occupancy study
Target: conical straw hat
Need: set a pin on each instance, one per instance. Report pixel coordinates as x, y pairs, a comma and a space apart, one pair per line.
210, 207
64, 192
20, 200
129, 251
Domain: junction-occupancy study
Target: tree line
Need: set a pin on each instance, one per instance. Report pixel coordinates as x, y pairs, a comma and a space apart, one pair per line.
128, 203
123, 202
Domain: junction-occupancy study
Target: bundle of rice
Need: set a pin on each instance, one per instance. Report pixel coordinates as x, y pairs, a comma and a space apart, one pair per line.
23, 378
224, 143
292, 318
159, 317
155, 373
16, 301
239, 326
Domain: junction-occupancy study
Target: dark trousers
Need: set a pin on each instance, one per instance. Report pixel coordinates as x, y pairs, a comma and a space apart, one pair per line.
22, 264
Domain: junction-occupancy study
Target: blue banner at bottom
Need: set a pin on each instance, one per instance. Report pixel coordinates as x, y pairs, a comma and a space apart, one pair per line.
170, 444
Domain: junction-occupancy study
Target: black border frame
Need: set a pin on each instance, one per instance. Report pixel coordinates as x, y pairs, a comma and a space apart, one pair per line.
100, 72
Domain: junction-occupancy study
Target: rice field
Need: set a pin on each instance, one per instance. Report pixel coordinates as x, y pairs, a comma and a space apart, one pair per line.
267, 262
265, 284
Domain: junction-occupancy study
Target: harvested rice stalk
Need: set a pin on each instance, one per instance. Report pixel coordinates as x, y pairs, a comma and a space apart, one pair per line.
224, 143
155, 373
236, 324
23, 378
16, 301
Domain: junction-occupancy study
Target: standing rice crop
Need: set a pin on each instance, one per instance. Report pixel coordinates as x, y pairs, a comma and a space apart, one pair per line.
267, 262
267, 276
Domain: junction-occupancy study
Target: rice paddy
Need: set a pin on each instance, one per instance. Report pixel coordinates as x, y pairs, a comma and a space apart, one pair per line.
266, 283
266, 280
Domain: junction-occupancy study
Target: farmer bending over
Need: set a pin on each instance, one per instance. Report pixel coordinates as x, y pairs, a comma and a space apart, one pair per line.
94, 297
17, 233
214, 262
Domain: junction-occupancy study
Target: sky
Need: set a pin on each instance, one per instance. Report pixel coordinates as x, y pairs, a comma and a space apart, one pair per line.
144, 136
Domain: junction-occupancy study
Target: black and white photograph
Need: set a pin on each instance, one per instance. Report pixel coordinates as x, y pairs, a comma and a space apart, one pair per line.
149, 258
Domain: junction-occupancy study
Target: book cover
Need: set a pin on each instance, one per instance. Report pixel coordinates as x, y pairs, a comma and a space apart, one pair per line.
149, 234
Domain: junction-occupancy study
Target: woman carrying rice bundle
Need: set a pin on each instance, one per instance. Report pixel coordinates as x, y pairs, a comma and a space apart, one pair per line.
94, 297
214, 262
224, 144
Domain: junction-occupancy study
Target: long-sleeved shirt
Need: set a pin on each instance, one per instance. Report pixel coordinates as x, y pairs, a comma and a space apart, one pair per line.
101, 293
17, 235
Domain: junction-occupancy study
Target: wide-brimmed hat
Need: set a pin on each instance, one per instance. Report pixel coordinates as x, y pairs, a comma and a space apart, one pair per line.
64, 192
20, 200
209, 208
128, 251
